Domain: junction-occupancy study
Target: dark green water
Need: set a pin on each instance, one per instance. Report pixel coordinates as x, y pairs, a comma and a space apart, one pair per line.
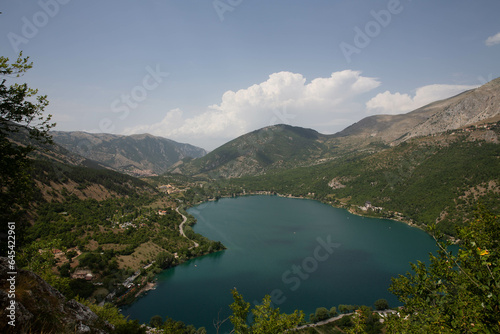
304, 253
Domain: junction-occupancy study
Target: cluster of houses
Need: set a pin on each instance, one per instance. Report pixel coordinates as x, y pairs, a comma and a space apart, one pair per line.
127, 225
488, 126
368, 206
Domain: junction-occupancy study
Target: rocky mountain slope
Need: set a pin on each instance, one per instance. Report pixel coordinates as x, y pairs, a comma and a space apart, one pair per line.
138, 155
473, 107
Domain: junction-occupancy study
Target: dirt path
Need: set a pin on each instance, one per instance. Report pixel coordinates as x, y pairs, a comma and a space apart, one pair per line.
320, 323
383, 314
181, 229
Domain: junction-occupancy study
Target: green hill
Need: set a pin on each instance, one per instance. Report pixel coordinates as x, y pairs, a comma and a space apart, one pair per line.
261, 151
424, 180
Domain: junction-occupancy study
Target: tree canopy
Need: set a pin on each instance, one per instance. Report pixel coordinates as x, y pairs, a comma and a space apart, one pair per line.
266, 319
21, 111
455, 293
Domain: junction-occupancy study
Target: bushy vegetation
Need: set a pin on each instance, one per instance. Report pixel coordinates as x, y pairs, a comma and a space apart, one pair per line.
170, 325
457, 293
109, 313
265, 318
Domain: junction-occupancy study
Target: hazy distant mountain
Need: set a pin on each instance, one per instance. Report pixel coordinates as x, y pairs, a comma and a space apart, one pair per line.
282, 147
140, 155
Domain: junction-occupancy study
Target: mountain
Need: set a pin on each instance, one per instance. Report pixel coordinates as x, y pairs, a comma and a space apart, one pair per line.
473, 107
282, 147
138, 155
50, 152
60, 174
255, 153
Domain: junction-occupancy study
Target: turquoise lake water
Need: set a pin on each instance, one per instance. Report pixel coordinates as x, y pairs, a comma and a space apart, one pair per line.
303, 253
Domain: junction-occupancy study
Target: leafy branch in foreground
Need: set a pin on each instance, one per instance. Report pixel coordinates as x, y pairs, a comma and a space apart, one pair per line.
21, 109
266, 319
455, 293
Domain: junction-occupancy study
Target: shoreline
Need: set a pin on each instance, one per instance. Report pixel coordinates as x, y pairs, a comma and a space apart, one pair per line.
350, 209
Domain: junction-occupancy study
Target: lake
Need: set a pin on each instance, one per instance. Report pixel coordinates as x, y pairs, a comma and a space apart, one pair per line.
304, 253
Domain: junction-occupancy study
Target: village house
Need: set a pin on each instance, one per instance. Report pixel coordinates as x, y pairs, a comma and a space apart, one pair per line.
85, 274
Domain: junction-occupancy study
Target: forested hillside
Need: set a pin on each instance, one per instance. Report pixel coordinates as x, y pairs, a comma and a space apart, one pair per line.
428, 179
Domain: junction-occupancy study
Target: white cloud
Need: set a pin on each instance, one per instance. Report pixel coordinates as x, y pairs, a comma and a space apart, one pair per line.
284, 98
397, 103
493, 40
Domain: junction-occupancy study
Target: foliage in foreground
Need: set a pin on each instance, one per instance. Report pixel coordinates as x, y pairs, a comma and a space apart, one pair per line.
172, 326
111, 314
455, 293
266, 319
21, 109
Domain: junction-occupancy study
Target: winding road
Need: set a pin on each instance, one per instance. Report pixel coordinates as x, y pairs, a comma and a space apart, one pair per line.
181, 229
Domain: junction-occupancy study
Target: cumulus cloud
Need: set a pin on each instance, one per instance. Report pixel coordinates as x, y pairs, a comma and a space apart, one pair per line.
397, 103
493, 40
284, 98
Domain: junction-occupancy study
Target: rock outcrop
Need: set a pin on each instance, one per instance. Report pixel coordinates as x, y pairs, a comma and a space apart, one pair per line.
39, 308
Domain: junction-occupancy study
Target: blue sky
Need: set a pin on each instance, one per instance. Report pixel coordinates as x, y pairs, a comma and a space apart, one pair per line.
204, 72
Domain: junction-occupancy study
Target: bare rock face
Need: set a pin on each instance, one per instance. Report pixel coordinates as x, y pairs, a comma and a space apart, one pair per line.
472, 107
39, 308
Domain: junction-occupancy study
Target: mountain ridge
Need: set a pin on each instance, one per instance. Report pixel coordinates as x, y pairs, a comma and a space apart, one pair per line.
276, 146
137, 155
258, 152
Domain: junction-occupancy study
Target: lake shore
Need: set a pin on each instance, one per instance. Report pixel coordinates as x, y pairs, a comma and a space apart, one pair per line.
249, 240
353, 209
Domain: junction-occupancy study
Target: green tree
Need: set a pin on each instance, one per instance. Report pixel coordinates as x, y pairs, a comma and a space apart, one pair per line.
358, 321
21, 113
343, 308
156, 321
240, 309
164, 260
174, 327
333, 311
266, 318
381, 304
322, 313
455, 293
